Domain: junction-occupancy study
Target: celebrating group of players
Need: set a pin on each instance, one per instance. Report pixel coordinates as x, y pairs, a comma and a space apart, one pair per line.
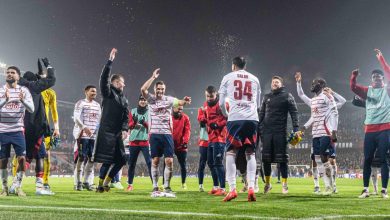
231, 120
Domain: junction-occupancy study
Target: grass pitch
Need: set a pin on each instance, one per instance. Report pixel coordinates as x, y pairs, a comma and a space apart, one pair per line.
192, 204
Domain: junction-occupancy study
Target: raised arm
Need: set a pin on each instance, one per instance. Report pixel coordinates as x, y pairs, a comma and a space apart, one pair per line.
340, 101
42, 83
148, 83
222, 92
384, 64
104, 83
356, 88
185, 101
301, 94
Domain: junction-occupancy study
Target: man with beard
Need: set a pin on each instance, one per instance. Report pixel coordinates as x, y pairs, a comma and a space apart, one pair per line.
14, 100
86, 116
109, 148
216, 129
331, 121
324, 120
160, 129
181, 136
36, 124
273, 122
138, 141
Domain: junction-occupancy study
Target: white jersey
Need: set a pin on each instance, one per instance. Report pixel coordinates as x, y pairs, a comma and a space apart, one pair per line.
160, 114
242, 90
331, 119
12, 112
86, 114
321, 105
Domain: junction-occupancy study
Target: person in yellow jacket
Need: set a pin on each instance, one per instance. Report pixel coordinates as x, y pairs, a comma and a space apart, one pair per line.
50, 101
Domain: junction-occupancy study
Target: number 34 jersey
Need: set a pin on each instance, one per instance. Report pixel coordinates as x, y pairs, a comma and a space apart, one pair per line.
242, 90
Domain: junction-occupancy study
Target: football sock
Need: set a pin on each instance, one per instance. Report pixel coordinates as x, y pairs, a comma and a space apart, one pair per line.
231, 170
251, 170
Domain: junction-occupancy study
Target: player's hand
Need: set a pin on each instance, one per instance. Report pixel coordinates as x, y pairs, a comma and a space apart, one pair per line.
187, 100
303, 129
328, 90
378, 53
298, 77
156, 73
56, 133
141, 122
87, 132
355, 72
124, 135
214, 126
21, 96
202, 124
45, 62
184, 146
112, 54
7, 94
334, 136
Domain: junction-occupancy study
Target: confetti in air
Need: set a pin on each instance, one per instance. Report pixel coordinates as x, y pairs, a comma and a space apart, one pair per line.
225, 46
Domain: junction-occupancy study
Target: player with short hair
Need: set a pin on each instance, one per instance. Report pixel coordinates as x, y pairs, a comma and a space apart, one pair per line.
14, 100
216, 129
242, 89
330, 121
86, 116
114, 124
160, 128
273, 130
377, 122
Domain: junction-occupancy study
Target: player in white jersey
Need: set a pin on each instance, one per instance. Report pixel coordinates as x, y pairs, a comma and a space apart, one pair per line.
86, 116
324, 127
331, 122
14, 100
160, 129
242, 89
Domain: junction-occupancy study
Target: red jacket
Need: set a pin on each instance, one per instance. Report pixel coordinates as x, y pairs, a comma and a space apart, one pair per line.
361, 91
214, 115
202, 118
181, 132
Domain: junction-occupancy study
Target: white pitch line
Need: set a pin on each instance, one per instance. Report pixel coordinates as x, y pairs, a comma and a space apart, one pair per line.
139, 211
186, 213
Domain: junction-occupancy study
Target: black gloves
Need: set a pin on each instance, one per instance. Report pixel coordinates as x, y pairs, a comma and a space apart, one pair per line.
202, 124
214, 126
45, 62
135, 119
141, 121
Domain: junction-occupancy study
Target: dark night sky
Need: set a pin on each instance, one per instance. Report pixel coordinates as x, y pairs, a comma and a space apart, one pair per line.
193, 41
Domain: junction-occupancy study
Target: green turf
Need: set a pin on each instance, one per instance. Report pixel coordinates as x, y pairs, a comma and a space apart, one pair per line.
299, 203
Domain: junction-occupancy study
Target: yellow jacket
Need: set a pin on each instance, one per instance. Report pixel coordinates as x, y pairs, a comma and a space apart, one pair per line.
50, 100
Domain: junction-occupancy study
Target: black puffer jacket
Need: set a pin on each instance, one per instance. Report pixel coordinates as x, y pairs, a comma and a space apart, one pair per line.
274, 112
114, 120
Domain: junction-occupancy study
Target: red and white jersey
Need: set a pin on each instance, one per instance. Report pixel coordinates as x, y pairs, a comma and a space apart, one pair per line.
321, 106
242, 90
86, 114
12, 112
160, 114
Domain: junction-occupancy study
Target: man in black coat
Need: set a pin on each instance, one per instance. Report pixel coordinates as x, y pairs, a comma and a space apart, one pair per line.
273, 128
109, 148
35, 123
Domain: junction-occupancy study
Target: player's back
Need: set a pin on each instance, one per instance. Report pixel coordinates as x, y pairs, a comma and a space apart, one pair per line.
243, 92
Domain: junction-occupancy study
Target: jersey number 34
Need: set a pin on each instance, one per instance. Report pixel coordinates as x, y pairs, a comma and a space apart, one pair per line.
243, 90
